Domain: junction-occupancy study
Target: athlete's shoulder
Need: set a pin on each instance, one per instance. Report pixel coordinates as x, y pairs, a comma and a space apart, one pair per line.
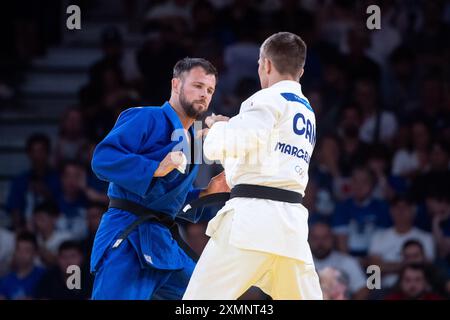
144, 112
266, 96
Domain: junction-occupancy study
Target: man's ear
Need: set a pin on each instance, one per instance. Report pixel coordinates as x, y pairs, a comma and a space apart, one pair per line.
267, 65
176, 83
301, 73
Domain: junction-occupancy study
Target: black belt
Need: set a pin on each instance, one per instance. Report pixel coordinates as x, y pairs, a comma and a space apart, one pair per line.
239, 191
146, 214
247, 191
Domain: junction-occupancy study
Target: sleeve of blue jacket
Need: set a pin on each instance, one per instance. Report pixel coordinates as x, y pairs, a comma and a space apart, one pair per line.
116, 159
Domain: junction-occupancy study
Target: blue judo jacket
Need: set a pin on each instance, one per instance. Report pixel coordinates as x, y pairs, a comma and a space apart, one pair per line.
127, 158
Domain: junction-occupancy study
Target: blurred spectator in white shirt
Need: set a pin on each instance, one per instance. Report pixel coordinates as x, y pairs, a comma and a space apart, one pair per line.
322, 246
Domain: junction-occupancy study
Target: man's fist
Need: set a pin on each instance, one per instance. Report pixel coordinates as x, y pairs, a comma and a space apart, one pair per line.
173, 160
209, 121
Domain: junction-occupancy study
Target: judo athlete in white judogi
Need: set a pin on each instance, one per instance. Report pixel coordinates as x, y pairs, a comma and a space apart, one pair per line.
265, 150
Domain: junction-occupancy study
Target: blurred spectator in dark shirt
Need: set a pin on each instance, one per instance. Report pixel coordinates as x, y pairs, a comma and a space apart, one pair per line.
326, 174
48, 237
353, 152
35, 185
413, 252
359, 64
378, 125
94, 215
71, 137
413, 285
431, 99
159, 52
115, 53
401, 85
22, 282
436, 175
53, 284
386, 185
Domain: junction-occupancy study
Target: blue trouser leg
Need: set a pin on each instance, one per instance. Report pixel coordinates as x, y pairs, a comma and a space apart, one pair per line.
175, 285
120, 276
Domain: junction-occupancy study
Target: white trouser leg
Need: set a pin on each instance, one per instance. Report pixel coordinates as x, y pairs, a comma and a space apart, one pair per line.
224, 271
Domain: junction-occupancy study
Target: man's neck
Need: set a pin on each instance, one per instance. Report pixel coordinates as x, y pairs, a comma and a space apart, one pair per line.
184, 119
277, 78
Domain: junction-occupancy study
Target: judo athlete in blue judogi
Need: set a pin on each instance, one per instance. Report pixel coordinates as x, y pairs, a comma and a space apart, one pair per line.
135, 255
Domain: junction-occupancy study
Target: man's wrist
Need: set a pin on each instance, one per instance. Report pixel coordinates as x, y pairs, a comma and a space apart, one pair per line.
204, 192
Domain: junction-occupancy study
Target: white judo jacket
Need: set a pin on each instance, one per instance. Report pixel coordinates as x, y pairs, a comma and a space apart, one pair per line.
268, 143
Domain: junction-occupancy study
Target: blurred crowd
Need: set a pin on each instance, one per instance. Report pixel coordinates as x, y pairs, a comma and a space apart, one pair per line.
379, 189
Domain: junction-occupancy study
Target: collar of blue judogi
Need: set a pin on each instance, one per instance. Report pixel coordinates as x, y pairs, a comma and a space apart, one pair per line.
176, 122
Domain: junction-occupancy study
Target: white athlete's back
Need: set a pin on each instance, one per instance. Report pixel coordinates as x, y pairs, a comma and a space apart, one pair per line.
268, 143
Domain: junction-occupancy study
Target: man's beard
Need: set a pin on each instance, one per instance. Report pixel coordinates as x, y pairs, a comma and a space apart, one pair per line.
188, 107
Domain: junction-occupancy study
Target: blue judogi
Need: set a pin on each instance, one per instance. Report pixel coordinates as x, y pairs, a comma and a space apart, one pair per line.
149, 263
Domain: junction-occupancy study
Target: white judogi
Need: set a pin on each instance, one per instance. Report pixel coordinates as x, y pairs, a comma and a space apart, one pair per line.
256, 241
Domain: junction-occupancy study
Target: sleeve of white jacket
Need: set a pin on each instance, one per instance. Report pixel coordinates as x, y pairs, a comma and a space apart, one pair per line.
242, 134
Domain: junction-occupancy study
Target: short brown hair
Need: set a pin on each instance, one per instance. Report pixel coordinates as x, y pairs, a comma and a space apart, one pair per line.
287, 51
186, 64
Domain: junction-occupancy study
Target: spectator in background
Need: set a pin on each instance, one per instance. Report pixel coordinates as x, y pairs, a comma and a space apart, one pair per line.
355, 220
439, 211
386, 185
7, 244
386, 245
335, 87
431, 99
326, 174
114, 53
401, 85
437, 175
413, 252
53, 284
33, 186
73, 199
94, 214
159, 52
413, 285
334, 284
412, 160
322, 247
358, 62
48, 237
92, 180
244, 88
353, 152
22, 282
71, 137
103, 98
378, 125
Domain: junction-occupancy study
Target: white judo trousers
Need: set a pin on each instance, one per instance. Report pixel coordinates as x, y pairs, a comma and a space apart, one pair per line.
225, 272
257, 241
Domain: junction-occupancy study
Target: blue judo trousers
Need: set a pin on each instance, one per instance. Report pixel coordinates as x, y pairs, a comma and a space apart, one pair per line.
149, 264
